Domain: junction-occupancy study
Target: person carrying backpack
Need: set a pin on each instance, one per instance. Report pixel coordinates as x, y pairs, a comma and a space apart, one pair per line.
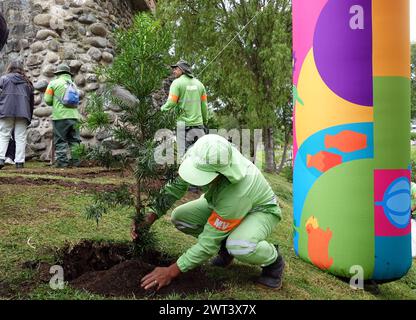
63, 96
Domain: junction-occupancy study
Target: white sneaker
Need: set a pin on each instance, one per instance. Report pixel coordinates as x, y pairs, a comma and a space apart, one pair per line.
9, 161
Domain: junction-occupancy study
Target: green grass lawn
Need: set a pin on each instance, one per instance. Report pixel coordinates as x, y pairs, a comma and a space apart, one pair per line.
51, 215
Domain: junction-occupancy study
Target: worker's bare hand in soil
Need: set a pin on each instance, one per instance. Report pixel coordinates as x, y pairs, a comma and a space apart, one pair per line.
160, 277
149, 219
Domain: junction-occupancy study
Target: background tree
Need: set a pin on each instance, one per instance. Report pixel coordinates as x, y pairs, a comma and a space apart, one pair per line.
136, 73
413, 78
242, 52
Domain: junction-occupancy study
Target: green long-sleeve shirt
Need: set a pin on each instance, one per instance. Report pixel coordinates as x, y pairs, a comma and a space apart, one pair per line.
230, 203
54, 93
188, 95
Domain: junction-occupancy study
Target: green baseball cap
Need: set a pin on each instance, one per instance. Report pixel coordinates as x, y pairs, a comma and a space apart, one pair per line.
211, 156
205, 160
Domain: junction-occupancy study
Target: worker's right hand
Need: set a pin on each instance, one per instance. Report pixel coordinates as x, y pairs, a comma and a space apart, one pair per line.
149, 219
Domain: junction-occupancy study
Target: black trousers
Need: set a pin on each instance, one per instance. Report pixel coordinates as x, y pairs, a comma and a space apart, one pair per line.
11, 149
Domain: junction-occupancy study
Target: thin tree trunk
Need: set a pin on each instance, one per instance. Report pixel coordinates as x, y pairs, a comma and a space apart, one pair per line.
269, 150
285, 148
138, 197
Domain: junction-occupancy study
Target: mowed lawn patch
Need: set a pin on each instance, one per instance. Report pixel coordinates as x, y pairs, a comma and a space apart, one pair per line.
38, 220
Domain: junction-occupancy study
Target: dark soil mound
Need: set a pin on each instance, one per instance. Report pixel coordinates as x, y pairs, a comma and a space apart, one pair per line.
124, 280
108, 269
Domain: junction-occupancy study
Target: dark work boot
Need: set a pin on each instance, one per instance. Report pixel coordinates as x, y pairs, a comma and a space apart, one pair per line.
20, 165
223, 259
272, 275
2, 163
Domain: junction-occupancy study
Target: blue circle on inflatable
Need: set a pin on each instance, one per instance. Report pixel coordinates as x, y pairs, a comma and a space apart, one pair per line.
396, 202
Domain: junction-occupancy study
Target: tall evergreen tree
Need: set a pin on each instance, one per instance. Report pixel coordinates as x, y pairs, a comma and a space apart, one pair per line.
137, 72
242, 52
413, 79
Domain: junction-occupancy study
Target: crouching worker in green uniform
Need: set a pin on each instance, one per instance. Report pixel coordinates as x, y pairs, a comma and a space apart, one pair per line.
234, 216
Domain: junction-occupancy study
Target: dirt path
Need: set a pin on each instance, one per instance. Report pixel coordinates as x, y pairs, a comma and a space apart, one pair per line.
84, 186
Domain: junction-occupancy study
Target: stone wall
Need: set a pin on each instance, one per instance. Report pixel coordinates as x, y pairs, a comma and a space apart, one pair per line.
45, 33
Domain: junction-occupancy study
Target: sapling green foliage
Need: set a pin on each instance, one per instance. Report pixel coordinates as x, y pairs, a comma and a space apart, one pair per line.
141, 64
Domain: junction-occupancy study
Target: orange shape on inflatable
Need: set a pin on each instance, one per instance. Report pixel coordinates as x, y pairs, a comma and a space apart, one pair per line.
346, 141
318, 244
323, 160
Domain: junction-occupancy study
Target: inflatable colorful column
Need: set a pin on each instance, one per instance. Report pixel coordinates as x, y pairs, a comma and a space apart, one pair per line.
352, 136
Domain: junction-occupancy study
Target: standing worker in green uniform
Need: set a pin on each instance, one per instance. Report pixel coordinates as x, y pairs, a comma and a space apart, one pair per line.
189, 98
234, 217
65, 120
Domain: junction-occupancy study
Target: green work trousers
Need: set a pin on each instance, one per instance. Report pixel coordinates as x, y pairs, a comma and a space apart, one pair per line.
246, 242
65, 134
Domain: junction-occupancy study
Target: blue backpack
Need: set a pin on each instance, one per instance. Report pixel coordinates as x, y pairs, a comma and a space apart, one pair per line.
71, 96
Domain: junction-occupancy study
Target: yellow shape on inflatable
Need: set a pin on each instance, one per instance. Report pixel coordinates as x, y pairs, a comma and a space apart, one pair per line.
322, 107
391, 34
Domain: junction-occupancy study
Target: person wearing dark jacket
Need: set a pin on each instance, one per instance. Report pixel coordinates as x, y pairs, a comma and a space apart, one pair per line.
16, 110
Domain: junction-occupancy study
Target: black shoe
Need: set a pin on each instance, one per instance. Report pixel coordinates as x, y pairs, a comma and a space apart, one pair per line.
372, 287
272, 275
20, 165
194, 189
60, 165
2, 163
223, 259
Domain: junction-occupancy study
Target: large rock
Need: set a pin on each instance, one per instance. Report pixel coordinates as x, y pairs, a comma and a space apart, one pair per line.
91, 77
98, 29
41, 85
52, 57
85, 58
87, 19
69, 52
43, 112
34, 123
98, 42
48, 71
92, 87
79, 80
75, 65
112, 144
37, 99
45, 33
107, 57
87, 134
103, 134
38, 146
34, 136
94, 53
42, 20
36, 72
54, 45
33, 60
124, 95
37, 46
87, 68
57, 24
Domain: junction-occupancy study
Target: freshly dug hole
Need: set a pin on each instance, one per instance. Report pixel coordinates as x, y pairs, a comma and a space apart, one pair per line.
109, 269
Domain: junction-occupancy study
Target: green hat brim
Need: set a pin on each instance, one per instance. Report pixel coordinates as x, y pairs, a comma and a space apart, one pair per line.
62, 72
193, 175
